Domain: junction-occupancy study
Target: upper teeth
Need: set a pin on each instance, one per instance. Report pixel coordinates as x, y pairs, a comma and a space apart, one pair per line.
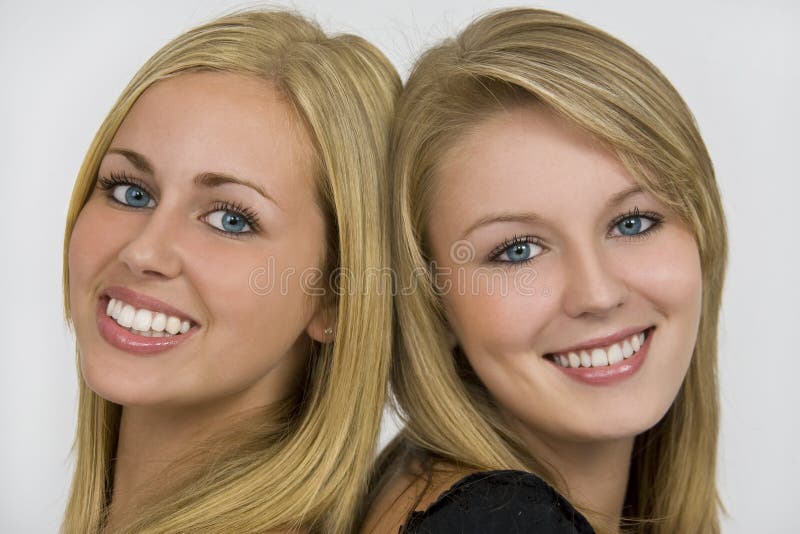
145, 322
601, 356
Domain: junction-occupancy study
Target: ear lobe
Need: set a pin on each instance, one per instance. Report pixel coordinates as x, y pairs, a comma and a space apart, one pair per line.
322, 326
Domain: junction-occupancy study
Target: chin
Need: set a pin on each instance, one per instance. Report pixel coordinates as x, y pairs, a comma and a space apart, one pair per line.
626, 423
120, 394
119, 387
601, 424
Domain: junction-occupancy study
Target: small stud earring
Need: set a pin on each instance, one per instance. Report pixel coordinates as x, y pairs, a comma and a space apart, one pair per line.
328, 331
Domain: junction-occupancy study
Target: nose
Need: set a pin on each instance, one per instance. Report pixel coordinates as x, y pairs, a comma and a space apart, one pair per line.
594, 286
151, 249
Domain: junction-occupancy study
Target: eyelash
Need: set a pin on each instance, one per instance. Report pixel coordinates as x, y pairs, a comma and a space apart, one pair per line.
249, 216
516, 240
115, 179
652, 215
656, 218
242, 211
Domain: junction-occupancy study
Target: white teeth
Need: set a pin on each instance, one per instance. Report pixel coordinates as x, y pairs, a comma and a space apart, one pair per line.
145, 322
142, 320
599, 358
118, 304
159, 322
126, 317
574, 360
627, 350
173, 325
614, 354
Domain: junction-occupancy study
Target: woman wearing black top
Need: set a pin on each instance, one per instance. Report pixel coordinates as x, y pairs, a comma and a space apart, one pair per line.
499, 501
560, 244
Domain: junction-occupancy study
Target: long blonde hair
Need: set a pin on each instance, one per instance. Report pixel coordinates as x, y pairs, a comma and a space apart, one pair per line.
309, 471
523, 56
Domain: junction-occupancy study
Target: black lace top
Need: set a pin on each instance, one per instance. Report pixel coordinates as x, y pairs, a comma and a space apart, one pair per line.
499, 502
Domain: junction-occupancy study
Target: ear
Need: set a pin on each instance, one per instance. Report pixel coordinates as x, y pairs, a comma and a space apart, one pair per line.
322, 327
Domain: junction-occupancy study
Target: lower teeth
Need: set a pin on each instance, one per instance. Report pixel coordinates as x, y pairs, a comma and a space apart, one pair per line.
151, 333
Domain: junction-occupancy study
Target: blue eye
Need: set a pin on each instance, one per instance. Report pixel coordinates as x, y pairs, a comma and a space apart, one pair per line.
231, 218
635, 223
228, 221
132, 196
517, 250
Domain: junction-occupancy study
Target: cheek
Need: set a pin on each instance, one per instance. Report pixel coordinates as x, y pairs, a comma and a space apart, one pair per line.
670, 283
670, 277
259, 295
91, 246
495, 315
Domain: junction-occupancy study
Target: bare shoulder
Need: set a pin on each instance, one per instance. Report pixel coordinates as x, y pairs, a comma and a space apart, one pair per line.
406, 492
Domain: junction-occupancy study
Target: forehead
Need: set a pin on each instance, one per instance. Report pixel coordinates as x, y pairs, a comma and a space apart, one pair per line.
225, 122
527, 159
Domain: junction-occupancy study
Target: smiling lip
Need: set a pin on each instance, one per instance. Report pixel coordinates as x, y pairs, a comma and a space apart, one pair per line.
140, 300
603, 341
123, 339
611, 374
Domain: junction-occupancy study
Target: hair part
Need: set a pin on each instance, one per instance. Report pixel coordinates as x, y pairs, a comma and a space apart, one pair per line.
518, 57
303, 463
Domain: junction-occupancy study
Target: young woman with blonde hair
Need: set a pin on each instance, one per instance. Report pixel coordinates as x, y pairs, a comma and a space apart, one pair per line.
561, 248
228, 382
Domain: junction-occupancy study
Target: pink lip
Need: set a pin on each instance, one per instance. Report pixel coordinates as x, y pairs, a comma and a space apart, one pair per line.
123, 339
140, 300
612, 373
603, 341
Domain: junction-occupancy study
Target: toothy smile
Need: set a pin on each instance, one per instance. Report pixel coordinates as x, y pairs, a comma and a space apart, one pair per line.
601, 356
146, 322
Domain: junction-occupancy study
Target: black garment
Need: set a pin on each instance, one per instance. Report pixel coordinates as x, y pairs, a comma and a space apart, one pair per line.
499, 502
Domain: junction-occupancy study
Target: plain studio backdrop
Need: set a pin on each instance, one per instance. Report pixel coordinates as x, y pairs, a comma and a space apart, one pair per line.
63, 64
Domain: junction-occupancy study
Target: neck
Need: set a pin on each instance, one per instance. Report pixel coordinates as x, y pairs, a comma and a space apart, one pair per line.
593, 475
152, 439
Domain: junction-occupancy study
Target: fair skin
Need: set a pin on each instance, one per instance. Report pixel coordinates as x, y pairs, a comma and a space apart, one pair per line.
563, 248
194, 247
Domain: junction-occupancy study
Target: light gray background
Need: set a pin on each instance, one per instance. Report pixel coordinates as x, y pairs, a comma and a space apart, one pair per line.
62, 65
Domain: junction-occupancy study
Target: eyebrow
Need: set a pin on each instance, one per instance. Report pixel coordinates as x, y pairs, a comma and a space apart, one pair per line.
136, 159
206, 179
216, 179
532, 218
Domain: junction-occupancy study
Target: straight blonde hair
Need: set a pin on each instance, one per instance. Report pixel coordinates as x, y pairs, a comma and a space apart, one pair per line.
534, 57
303, 463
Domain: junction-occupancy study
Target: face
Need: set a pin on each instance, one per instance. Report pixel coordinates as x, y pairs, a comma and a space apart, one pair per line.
555, 262
205, 195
